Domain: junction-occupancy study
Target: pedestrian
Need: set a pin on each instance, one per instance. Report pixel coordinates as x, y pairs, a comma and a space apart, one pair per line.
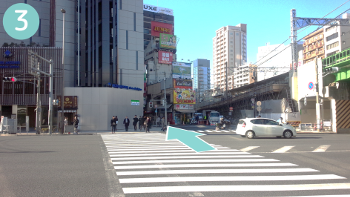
162, 123
280, 120
150, 123
197, 119
75, 124
147, 123
113, 124
135, 123
126, 123
65, 124
141, 121
158, 121
116, 123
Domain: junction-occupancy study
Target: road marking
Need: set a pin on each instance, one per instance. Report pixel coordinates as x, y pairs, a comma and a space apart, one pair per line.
226, 131
217, 171
246, 188
186, 153
215, 165
283, 149
232, 178
195, 161
218, 131
185, 157
200, 131
169, 151
249, 148
209, 131
340, 195
322, 148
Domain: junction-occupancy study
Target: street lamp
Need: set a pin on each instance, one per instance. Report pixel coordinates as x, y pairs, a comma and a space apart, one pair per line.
62, 94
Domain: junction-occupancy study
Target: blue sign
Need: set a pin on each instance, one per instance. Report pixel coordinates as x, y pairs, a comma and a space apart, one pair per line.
9, 64
123, 87
311, 86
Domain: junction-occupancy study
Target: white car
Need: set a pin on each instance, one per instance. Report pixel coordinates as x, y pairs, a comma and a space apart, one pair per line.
263, 127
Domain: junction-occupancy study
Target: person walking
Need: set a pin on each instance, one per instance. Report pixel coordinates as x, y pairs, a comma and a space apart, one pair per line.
65, 124
158, 121
126, 123
116, 123
141, 121
135, 123
162, 123
147, 123
113, 124
75, 124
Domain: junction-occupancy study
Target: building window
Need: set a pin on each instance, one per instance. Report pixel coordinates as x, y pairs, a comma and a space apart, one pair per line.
330, 46
331, 37
127, 39
121, 2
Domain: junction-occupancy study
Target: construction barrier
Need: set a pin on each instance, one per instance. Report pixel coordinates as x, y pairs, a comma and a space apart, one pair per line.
294, 123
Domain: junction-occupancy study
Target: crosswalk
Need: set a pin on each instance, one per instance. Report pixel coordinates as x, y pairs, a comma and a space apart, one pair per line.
148, 165
286, 149
214, 131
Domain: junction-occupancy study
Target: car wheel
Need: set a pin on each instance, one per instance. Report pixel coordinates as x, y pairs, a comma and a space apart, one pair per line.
250, 134
288, 134
242, 135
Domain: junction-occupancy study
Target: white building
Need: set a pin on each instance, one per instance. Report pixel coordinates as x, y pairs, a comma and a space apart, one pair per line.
336, 38
229, 47
269, 66
244, 75
201, 76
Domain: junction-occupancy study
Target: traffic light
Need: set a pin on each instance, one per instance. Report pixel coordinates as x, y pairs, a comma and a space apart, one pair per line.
9, 79
150, 104
331, 70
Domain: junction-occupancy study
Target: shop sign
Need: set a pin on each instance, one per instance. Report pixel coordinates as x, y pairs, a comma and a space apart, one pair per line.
184, 106
184, 96
9, 64
183, 83
156, 9
165, 57
181, 70
123, 87
158, 27
70, 102
167, 41
135, 102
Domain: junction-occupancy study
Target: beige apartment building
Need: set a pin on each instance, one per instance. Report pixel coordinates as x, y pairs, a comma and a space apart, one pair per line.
229, 47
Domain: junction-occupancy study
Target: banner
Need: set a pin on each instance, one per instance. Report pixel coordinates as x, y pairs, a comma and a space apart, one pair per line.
183, 83
184, 96
184, 106
156, 9
181, 70
157, 28
165, 57
167, 41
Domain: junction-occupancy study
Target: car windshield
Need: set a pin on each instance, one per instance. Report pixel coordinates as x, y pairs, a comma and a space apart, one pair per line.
214, 114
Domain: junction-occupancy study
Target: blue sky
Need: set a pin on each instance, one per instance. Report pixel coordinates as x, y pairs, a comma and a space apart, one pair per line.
267, 21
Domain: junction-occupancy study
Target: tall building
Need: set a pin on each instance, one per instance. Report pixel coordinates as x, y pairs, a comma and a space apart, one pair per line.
314, 46
336, 38
158, 57
50, 30
112, 49
201, 76
244, 75
229, 50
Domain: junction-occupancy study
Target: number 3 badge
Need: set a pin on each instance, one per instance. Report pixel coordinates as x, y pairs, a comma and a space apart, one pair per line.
21, 21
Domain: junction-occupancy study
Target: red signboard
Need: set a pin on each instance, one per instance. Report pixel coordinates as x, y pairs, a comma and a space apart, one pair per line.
165, 57
158, 28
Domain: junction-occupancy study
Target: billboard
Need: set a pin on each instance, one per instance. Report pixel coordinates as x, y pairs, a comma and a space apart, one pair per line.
181, 70
167, 41
184, 96
156, 9
165, 57
183, 83
157, 28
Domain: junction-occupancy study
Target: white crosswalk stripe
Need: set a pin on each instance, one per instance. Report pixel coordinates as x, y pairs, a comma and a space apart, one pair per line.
149, 165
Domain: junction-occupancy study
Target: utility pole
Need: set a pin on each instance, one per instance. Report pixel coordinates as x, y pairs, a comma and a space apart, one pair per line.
38, 103
318, 114
62, 94
165, 103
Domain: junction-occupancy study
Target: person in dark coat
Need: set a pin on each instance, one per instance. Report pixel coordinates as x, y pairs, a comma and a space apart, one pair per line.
75, 124
135, 123
113, 124
141, 121
126, 123
116, 123
147, 124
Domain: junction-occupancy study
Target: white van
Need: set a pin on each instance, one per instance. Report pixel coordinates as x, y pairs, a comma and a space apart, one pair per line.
214, 117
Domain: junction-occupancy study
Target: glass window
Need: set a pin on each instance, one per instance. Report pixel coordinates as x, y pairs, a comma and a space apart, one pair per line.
241, 122
271, 122
258, 121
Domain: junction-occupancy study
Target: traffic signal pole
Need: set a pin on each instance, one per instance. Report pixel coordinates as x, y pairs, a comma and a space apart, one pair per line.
318, 113
38, 104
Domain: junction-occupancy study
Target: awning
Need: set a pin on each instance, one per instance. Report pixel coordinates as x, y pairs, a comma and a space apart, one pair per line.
185, 110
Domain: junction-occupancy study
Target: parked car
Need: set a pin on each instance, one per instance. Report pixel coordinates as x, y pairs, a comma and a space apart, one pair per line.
263, 127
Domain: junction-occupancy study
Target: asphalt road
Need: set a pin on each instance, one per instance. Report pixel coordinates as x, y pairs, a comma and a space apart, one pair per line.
144, 164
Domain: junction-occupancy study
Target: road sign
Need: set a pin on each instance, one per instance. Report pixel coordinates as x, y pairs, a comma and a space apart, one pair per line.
258, 103
258, 108
253, 99
231, 108
310, 86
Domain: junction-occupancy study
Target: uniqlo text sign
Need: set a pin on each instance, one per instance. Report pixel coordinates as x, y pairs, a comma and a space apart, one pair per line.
165, 57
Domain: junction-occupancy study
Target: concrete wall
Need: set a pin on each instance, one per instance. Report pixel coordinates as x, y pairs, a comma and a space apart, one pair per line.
96, 106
